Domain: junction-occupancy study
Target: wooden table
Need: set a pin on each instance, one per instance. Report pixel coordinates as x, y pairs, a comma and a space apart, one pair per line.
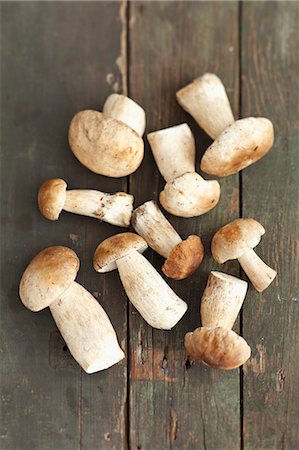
61, 57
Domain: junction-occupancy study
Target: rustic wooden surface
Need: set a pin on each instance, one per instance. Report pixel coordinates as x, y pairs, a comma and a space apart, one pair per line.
60, 57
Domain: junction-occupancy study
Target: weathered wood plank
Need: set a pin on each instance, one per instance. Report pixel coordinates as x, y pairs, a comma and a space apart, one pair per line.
54, 62
172, 405
270, 194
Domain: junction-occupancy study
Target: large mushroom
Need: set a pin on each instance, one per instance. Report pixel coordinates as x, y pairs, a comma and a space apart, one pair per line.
53, 197
237, 240
109, 143
214, 343
144, 286
182, 257
186, 193
49, 280
206, 100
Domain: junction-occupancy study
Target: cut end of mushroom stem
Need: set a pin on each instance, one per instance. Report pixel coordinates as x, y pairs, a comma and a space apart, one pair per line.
257, 271
126, 110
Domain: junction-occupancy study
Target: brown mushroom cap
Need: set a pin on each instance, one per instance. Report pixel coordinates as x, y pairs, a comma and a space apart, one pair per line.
51, 198
184, 258
116, 247
220, 348
239, 145
105, 145
47, 276
235, 239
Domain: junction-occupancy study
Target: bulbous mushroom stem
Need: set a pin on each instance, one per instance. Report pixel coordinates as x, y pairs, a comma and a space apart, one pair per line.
126, 110
152, 225
86, 329
148, 292
174, 150
112, 208
257, 271
222, 300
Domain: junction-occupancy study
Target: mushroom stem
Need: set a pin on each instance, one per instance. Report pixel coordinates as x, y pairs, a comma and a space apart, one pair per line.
222, 300
152, 225
257, 271
112, 208
126, 110
148, 292
86, 329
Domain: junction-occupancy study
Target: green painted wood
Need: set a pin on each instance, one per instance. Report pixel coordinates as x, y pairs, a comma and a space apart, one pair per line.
173, 405
270, 194
54, 63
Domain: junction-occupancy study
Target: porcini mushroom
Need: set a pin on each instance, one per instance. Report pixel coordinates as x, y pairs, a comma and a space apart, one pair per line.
238, 146
105, 145
112, 208
214, 343
206, 100
123, 108
182, 257
186, 193
144, 286
237, 240
49, 280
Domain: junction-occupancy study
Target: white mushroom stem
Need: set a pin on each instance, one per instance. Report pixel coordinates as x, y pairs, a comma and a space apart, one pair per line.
112, 208
152, 225
149, 293
206, 100
257, 271
126, 110
174, 150
86, 329
222, 300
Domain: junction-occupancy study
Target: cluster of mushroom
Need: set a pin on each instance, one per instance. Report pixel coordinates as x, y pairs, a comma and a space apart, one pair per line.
110, 143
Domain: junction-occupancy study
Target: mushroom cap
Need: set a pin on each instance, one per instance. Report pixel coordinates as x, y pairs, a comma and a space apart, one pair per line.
51, 198
47, 276
114, 248
123, 108
235, 239
220, 348
239, 145
190, 195
105, 145
184, 258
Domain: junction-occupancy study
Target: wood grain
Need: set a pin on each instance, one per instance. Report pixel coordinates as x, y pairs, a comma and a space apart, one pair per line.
270, 195
172, 404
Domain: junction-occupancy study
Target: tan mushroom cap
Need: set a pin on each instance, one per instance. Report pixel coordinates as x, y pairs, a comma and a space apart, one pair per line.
105, 145
220, 348
47, 276
184, 258
235, 239
116, 247
239, 145
51, 198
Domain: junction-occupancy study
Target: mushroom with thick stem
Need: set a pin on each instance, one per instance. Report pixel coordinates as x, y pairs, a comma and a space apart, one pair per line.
241, 144
109, 143
214, 343
186, 193
53, 197
237, 240
144, 286
182, 257
206, 100
49, 280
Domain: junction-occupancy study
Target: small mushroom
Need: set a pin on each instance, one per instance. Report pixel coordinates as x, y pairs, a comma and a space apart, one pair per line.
144, 286
206, 100
182, 257
49, 280
237, 240
186, 193
214, 343
112, 208
238, 146
105, 145
126, 110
